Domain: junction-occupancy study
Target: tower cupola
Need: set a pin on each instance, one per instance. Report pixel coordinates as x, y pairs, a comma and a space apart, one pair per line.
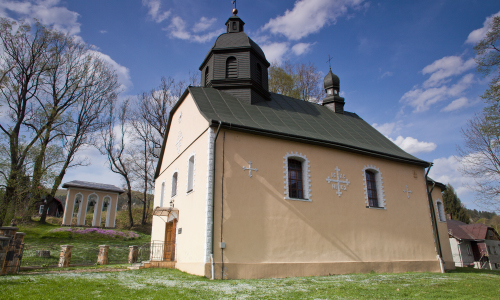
332, 100
236, 64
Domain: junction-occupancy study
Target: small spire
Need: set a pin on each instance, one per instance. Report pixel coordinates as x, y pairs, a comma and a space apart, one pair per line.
235, 11
329, 60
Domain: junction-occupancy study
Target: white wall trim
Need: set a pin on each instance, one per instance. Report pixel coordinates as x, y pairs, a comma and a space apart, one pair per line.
380, 186
306, 176
210, 183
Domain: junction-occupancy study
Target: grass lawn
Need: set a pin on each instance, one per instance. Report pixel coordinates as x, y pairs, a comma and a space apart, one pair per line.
173, 284
86, 246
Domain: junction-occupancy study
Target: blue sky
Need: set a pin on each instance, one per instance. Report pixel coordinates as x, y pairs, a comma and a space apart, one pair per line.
405, 66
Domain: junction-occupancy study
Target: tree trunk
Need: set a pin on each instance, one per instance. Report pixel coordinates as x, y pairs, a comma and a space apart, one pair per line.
129, 195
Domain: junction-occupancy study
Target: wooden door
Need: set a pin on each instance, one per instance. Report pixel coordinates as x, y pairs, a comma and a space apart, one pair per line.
169, 247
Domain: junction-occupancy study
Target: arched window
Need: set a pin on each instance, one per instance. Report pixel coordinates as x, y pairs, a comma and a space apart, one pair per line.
371, 188
206, 76
374, 189
190, 181
440, 211
162, 193
295, 185
106, 202
174, 185
258, 77
231, 67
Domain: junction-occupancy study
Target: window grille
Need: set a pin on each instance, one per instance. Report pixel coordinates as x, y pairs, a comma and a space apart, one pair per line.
371, 188
295, 189
231, 68
259, 74
206, 76
174, 185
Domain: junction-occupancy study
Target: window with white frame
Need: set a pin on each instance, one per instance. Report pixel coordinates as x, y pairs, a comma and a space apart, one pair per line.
174, 185
297, 177
440, 211
162, 193
469, 250
190, 181
374, 188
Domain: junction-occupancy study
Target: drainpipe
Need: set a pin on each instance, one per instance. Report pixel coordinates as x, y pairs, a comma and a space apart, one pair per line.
213, 201
433, 220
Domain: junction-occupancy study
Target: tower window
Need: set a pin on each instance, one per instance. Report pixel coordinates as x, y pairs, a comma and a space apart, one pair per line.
259, 74
206, 76
234, 25
232, 67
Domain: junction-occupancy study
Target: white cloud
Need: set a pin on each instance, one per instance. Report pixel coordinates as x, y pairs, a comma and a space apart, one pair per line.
456, 104
387, 74
177, 29
275, 51
122, 72
204, 24
386, 128
446, 170
412, 145
301, 48
309, 16
46, 11
103, 31
446, 67
155, 10
478, 34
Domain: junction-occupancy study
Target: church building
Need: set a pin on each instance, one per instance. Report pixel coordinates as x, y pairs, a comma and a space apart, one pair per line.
253, 184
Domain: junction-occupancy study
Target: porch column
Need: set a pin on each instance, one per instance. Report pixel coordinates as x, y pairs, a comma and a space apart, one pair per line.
68, 210
96, 222
82, 211
112, 208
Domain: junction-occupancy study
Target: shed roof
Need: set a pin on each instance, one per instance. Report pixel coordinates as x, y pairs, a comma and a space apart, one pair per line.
463, 231
93, 186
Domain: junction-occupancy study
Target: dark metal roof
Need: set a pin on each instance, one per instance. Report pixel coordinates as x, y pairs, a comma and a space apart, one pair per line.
436, 183
93, 186
463, 231
290, 118
331, 80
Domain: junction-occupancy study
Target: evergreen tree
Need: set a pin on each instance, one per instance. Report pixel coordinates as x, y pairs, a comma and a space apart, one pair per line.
453, 205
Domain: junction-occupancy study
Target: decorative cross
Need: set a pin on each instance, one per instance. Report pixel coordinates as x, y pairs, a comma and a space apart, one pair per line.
329, 61
250, 169
337, 182
234, 2
178, 143
408, 192
180, 117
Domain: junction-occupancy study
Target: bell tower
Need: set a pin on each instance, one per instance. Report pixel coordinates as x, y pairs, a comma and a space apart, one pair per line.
332, 100
236, 64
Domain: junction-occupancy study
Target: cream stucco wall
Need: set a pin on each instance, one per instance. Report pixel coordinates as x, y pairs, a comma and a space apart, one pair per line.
443, 230
190, 244
263, 232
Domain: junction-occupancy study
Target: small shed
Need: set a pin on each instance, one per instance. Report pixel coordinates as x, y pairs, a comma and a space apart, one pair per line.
84, 195
56, 209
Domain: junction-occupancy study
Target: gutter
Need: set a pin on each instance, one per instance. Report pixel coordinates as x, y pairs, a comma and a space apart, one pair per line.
433, 219
213, 201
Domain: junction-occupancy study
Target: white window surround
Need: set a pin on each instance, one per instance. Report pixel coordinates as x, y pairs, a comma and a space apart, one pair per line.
188, 191
306, 176
380, 187
440, 212
176, 171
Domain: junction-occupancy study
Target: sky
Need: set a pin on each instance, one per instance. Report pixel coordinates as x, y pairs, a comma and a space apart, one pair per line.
406, 67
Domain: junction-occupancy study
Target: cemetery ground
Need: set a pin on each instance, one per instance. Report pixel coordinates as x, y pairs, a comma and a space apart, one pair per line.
173, 284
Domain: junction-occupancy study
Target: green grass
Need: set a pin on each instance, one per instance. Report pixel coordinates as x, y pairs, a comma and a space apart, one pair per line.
173, 284
85, 250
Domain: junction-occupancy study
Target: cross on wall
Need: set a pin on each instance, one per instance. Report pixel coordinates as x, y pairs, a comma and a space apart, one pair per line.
250, 169
408, 192
178, 143
337, 181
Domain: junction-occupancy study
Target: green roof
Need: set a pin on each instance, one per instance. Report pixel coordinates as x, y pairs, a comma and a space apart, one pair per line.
289, 118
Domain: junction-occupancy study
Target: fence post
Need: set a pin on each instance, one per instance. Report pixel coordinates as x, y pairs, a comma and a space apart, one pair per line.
133, 253
102, 259
65, 257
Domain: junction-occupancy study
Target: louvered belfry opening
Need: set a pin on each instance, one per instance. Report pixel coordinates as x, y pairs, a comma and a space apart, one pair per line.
206, 76
231, 67
258, 76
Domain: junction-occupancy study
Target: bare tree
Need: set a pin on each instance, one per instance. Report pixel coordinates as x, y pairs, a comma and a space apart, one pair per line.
27, 53
480, 158
117, 148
